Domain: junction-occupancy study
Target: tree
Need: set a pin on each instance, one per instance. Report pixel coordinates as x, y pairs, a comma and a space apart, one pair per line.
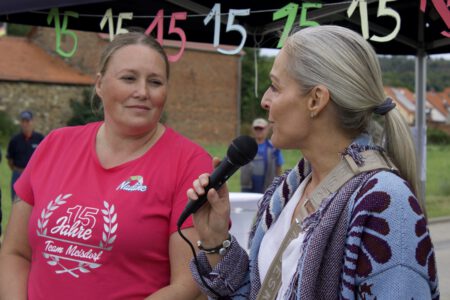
18, 29
399, 71
251, 101
7, 127
85, 111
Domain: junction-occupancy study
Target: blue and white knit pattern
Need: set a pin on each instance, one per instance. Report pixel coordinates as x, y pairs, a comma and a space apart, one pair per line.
363, 213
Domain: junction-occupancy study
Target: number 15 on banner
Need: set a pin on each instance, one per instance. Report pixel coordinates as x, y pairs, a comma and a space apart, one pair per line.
108, 18
290, 11
215, 12
382, 11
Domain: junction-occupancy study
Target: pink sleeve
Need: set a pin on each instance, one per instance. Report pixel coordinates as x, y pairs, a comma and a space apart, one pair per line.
199, 163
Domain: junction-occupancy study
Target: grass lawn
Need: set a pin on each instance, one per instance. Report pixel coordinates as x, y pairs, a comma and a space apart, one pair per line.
438, 181
5, 178
437, 186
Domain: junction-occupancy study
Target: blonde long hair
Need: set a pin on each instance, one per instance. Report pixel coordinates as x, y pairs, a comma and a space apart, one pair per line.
347, 65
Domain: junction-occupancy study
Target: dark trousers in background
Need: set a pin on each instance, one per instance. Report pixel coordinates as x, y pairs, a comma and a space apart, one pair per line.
14, 177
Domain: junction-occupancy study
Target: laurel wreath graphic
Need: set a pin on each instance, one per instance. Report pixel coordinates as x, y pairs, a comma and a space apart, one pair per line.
110, 218
108, 236
53, 260
46, 213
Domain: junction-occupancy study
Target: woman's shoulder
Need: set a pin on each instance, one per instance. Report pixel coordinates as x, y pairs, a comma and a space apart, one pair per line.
70, 136
388, 230
180, 143
388, 216
387, 182
386, 194
70, 131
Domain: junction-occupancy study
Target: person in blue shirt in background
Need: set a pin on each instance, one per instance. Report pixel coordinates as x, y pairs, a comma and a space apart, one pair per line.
259, 173
21, 147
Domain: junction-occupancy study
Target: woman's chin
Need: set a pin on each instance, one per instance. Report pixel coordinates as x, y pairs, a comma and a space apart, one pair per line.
275, 141
137, 127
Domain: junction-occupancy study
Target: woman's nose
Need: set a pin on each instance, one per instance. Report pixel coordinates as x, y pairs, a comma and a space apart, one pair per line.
265, 102
142, 89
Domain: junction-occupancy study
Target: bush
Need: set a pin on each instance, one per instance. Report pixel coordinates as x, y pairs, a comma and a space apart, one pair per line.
437, 137
7, 127
18, 29
84, 112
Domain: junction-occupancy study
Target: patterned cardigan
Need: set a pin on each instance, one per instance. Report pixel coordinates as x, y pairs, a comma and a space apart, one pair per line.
369, 240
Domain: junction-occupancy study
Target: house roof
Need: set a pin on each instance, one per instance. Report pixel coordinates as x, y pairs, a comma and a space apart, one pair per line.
402, 97
20, 60
446, 95
437, 101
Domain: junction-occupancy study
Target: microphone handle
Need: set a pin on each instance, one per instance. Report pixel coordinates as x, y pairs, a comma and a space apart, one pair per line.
221, 174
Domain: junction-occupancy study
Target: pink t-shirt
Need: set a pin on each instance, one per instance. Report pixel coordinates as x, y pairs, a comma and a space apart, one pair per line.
99, 233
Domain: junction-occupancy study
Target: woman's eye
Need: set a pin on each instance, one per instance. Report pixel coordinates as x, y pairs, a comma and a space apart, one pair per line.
272, 88
127, 78
155, 82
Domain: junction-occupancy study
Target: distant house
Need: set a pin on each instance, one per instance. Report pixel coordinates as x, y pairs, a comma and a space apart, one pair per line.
204, 88
446, 99
438, 113
446, 96
437, 105
30, 78
405, 101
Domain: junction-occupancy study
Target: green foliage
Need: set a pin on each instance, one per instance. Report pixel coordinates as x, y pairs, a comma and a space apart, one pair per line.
164, 117
5, 179
399, 71
7, 128
251, 102
438, 176
438, 75
18, 29
84, 112
437, 137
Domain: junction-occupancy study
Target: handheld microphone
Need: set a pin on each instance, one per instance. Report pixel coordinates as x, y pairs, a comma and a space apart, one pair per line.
241, 151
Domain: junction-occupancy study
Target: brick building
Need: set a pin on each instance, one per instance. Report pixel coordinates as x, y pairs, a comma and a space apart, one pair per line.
32, 79
204, 87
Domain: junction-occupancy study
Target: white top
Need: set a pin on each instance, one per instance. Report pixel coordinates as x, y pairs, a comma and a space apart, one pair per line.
273, 239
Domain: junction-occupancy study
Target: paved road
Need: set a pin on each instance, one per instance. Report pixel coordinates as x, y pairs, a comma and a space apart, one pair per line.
440, 235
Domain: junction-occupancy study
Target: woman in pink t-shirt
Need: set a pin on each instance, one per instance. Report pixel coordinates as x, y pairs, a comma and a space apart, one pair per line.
98, 204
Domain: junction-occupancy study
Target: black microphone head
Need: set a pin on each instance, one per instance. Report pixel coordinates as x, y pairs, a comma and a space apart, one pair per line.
242, 150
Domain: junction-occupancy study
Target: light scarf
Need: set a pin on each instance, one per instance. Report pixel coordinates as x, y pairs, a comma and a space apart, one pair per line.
319, 268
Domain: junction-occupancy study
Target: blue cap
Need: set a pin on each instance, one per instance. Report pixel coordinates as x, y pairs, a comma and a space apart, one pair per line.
26, 115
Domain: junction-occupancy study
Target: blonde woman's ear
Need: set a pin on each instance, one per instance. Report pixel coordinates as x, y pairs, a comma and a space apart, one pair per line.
320, 97
98, 84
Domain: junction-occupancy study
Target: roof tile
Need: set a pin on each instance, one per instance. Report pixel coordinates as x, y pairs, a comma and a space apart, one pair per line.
21, 60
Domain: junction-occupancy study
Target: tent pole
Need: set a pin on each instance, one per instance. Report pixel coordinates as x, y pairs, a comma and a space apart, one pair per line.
421, 125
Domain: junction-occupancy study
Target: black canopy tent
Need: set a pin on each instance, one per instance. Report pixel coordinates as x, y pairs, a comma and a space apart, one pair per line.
261, 30
424, 28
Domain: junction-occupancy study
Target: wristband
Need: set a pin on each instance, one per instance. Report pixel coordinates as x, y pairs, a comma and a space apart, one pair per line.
221, 249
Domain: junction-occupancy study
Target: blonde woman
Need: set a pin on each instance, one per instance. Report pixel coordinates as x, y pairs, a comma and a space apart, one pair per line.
345, 222
98, 206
